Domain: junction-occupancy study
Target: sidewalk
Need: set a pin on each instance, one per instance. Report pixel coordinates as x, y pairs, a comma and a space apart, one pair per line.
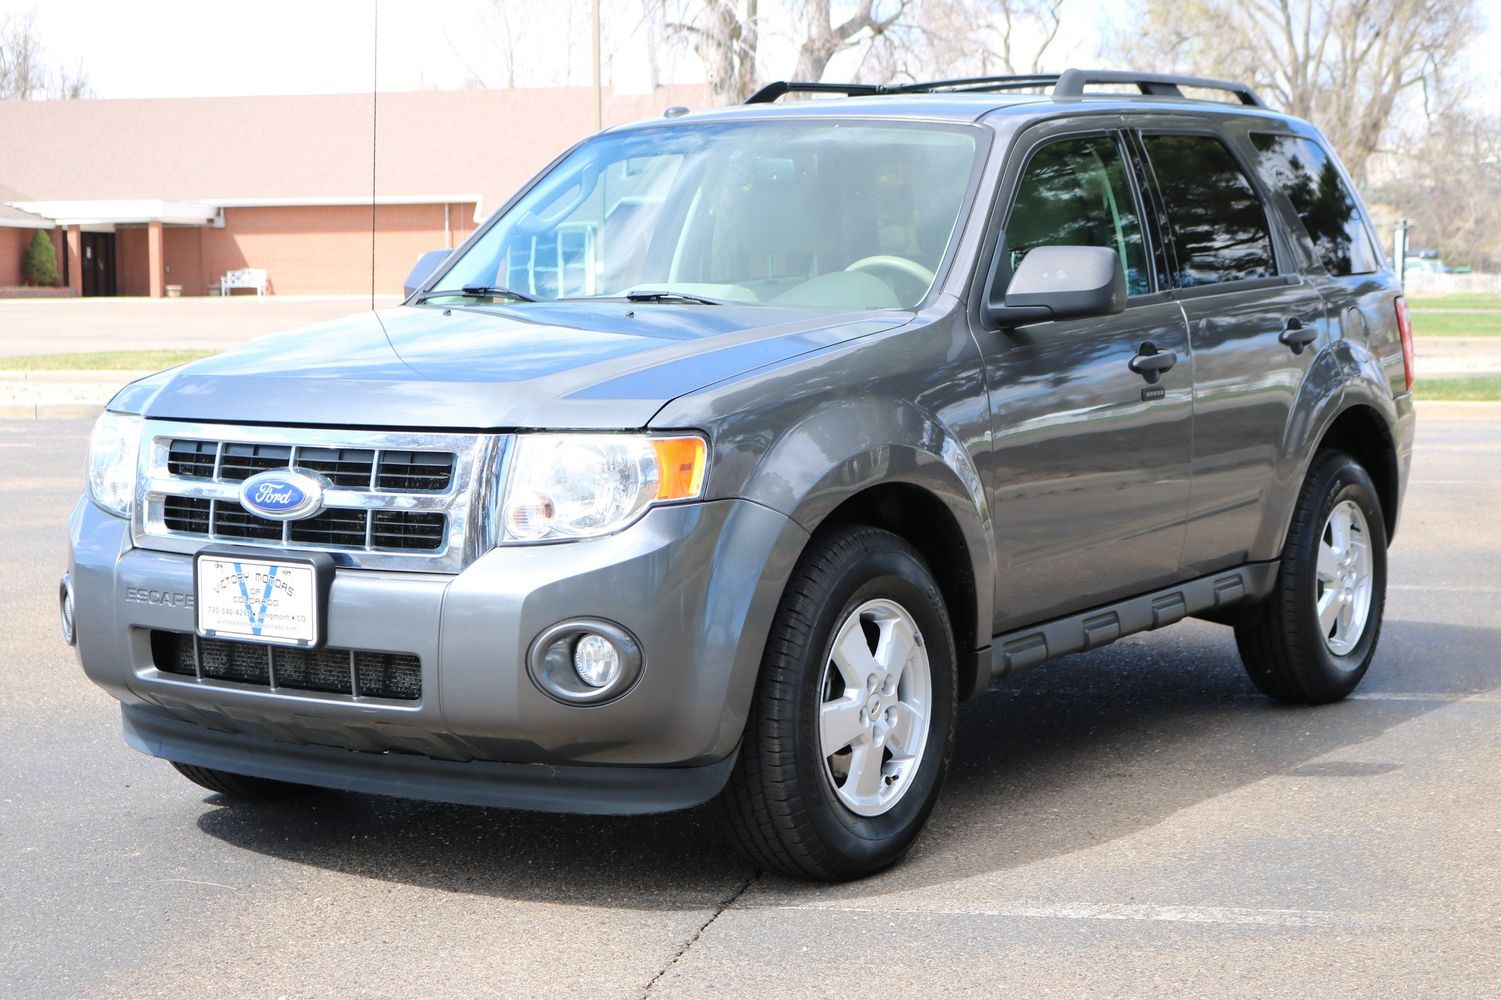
73, 326
59, 395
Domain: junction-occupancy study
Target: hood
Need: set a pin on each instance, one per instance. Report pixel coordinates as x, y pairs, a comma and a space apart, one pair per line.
538, 365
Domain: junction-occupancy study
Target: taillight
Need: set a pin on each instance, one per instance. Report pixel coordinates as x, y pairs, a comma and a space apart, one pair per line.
1404, 329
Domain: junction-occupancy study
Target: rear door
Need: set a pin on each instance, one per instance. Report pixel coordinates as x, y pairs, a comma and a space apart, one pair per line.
1090, 460
1255, 324
1335, 237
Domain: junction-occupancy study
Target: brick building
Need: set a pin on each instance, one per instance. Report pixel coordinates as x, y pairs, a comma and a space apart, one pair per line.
138, 195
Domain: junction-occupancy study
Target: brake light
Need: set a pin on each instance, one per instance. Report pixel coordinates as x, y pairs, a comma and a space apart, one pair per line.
1404, 329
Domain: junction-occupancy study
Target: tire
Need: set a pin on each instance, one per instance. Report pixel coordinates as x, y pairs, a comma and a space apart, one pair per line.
789, 806
238, 786
1290, 653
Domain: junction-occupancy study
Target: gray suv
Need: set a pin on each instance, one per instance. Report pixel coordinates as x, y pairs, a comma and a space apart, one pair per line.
738, 448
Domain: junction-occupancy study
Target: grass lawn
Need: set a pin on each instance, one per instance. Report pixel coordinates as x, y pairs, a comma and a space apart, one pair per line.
1459, 300
133, 361
1441, 323
1485, 387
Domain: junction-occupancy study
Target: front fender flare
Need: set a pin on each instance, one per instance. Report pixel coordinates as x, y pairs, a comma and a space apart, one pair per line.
843, 447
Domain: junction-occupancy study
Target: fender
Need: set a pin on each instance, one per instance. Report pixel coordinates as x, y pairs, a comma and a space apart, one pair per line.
1344, 375
844, 447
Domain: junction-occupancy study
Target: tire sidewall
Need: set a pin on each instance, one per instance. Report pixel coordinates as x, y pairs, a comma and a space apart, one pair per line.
1334, 675
872, 842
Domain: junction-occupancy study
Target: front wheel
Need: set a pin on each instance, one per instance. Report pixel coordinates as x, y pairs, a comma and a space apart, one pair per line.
852, 724
1311, 640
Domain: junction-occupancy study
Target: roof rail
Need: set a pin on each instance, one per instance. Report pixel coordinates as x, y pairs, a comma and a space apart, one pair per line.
979, 84
772, 91
780, 88
1071, 83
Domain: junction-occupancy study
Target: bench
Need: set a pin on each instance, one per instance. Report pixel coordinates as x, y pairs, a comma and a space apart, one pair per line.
245, 277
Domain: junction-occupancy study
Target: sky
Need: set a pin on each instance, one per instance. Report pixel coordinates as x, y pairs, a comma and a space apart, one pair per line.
208, 48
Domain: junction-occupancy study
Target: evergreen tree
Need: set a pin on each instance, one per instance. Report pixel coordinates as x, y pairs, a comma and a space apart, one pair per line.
39, 262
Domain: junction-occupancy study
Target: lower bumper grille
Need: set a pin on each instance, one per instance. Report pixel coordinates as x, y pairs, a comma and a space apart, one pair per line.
359, 673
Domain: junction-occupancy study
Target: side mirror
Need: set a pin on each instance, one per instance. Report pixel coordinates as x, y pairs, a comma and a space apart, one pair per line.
422, 270
1060, 283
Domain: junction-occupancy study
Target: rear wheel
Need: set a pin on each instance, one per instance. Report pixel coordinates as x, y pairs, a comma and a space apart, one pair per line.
1311, 640
852, 723
238, 786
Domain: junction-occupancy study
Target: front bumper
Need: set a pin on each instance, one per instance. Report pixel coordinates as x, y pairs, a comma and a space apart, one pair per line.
566, 788
696, 584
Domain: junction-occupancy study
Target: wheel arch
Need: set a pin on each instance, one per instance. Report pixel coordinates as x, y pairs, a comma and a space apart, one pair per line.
890, 463
1361, 431
923, 521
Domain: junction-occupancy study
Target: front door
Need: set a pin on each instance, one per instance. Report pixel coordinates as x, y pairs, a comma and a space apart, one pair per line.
98, 263
1091, 460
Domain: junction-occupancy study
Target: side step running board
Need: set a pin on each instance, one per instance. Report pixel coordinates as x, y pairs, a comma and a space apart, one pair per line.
1031, 646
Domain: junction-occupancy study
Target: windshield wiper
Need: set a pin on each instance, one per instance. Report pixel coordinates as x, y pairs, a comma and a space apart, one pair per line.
481, 292
649, 295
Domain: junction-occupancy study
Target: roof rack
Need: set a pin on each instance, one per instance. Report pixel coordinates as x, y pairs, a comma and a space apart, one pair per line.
1069, 83
772, 91
780, 88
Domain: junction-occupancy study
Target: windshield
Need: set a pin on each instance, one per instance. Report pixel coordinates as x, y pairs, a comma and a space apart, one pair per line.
838, 215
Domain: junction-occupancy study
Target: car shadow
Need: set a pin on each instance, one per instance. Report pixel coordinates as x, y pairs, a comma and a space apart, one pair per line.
1083, 751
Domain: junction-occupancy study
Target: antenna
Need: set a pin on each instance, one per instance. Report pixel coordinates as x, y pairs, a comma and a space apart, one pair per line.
374, 121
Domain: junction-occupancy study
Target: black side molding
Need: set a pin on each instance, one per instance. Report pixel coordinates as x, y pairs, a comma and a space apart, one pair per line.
1034, 645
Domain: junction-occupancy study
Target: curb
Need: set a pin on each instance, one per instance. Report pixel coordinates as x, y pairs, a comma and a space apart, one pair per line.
50, 411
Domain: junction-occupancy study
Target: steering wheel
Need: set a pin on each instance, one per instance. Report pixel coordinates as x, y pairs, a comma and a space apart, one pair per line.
908, 273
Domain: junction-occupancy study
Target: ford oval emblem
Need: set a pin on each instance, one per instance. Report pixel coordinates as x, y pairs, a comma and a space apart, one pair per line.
282, 494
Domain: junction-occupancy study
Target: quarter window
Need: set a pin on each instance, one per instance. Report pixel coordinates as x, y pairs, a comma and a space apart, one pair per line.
1302, 170
1074, 193
1218, 225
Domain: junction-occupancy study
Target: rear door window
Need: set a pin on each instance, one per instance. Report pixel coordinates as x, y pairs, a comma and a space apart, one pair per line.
1218, 226
1301, 169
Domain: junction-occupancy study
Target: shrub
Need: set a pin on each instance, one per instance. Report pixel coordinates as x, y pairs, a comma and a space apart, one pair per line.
39, 262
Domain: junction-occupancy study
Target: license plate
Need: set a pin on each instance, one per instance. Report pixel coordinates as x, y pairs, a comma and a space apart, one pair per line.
269, 600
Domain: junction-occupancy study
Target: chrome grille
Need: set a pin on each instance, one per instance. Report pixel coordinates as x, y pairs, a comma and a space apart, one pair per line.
393, 499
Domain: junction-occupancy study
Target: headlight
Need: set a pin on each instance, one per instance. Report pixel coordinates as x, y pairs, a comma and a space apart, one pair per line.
583, 485
114, 451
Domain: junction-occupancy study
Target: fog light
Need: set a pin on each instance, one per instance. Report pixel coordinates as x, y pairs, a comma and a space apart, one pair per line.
596, 661
585, 661
65, 609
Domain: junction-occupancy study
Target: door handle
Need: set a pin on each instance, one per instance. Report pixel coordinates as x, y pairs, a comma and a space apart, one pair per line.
1297, 336
1150, 363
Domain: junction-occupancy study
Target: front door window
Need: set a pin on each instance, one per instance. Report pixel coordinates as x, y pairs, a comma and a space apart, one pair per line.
1074, 193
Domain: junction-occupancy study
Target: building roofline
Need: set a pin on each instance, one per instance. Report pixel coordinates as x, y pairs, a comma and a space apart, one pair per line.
194, 212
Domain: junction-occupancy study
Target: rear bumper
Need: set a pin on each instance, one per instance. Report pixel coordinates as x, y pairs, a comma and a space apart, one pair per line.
561, 788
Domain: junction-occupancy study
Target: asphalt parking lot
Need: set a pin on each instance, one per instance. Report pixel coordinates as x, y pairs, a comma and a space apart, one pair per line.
1133, 822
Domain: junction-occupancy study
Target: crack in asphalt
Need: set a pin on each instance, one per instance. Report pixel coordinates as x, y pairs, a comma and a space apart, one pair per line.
724, 904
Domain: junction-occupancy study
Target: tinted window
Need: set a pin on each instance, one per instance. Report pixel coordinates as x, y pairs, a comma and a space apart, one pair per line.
1302, 170
1074, 193
1219, 229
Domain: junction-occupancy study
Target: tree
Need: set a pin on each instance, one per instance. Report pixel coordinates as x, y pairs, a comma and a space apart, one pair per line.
1344, 64
957, 38
728, 36
24, 72
39, 261
822, 39
725, 34
1449, 184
